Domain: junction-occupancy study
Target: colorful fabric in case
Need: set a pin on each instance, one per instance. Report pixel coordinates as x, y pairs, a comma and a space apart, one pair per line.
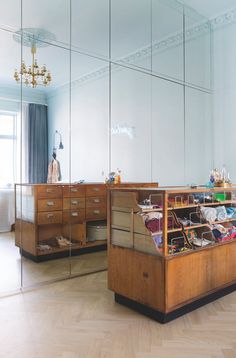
209, 214
221, 213
231, 212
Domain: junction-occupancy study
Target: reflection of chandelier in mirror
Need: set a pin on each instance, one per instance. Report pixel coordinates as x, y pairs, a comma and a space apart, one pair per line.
33, 75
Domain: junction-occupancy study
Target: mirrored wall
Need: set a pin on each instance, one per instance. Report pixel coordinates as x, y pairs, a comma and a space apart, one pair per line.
124, 84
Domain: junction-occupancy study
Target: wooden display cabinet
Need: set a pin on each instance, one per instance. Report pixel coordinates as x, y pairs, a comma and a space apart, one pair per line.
46, 212
164, 257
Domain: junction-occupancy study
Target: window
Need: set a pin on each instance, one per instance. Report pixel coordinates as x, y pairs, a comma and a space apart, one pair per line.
7, 148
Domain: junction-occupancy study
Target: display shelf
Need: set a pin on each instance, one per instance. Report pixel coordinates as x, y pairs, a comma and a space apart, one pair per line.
155, 275
59, 249
226, 202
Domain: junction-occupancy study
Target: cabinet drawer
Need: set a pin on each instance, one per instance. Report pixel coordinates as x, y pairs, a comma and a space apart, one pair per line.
96, 190
75, 191
49, 204
49, 191
94, 201
97, 213
50, 218
72, 217
73, 203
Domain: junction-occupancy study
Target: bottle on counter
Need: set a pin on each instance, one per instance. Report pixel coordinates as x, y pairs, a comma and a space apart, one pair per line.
118, 177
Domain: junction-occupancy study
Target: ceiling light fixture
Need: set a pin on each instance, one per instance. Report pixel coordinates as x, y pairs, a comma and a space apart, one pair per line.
33, 75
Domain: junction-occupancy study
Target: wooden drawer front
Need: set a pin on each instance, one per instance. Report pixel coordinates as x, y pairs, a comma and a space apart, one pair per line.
96, 190
96, 213
49, 191
73, 203
73, 217
49, 204
73, 191
95, 201
51, 217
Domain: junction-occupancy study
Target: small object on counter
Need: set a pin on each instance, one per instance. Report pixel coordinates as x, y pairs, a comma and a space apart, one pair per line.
118, 176
111, 178
220, 178
114, 177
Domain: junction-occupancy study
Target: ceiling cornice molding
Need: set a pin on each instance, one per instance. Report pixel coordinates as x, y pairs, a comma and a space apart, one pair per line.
27, 95
193, 32
224, 19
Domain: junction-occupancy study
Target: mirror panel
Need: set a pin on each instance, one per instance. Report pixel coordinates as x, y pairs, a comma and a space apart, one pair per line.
90, 27
50, 18
10, 147
131, 124
131, 33
197, 49
224, 97
89, 118
199, 136
45, 258
167, 132
167, 39
90, 153
10, 15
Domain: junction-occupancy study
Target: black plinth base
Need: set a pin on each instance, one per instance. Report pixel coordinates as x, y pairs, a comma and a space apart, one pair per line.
167, 317
63, 254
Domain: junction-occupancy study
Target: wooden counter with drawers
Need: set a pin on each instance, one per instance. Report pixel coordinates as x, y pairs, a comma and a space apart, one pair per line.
47, 213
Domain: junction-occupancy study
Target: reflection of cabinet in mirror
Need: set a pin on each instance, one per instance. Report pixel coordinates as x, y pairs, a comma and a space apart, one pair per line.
51, 219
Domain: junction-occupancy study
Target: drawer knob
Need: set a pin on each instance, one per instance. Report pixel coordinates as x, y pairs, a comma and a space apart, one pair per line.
74, 202
50, 203
74, 214
73, 190
50, 216
96, 201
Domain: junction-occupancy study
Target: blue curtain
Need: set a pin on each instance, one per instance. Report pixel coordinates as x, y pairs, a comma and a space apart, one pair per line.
38, 143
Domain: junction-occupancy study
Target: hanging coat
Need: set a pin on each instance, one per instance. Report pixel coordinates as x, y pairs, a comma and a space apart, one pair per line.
54, 172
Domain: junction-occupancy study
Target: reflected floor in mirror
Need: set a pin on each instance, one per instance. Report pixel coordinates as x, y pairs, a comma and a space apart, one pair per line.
37, 273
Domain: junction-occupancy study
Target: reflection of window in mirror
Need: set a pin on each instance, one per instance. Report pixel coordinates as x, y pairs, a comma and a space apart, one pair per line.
8, 135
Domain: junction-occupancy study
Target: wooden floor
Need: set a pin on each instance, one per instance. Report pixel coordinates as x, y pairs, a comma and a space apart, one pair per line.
11, 266
78, 318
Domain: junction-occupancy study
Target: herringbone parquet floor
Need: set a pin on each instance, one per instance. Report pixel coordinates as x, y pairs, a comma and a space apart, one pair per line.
78, 318
37, 273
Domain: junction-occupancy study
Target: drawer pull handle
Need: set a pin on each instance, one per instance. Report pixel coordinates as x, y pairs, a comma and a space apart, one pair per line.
74, 214
49, 190
96, 211
96, 201
73, 190
95, 189
50, 203
74, 202
50, 216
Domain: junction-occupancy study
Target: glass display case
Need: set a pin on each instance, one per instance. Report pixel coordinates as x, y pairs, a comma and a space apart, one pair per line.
178, 245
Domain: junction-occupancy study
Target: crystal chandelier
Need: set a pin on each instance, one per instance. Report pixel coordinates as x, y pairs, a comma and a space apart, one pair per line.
34, 75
